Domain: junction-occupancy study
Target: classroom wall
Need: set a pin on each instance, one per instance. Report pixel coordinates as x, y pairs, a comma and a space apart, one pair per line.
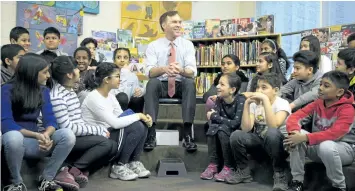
110, 20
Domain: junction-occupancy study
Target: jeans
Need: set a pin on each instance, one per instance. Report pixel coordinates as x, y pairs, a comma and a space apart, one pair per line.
272, 144
332, 154
16, 147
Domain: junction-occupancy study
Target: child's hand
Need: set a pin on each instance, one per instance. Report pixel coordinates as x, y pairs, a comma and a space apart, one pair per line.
149, 121
259, 96
210, 113
137, 92
295, 138
91, 68
213, 98
248, 94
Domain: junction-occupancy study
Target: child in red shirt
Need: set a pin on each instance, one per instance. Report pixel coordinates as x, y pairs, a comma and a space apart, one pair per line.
332, 138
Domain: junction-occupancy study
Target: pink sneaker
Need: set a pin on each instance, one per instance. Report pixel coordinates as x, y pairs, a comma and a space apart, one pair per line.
209, 172
66, 180
221, 176
79, 177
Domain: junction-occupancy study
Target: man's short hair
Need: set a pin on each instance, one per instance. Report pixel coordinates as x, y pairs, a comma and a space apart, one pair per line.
163, 17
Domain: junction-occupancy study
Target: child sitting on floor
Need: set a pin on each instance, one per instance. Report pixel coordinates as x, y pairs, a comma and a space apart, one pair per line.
332, 138
262, 131
224, 119
303, 89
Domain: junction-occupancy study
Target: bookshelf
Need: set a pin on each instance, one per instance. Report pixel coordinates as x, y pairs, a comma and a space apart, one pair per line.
209, 52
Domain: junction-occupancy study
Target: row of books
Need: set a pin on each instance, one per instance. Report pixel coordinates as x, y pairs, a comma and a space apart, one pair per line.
211, 55
205, 80
212, 28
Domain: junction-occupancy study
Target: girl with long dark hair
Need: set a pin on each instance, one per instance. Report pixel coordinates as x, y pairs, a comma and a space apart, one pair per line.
267, 63
23, 98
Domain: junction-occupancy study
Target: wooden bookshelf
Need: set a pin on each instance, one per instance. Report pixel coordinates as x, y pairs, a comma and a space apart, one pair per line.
242, 66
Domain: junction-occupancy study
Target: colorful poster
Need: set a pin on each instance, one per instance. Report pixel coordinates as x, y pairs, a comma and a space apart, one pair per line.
68, 42
125, 38
183, 7
142, 45
143, 10
34, 16
141, 28
106, 44
92, 7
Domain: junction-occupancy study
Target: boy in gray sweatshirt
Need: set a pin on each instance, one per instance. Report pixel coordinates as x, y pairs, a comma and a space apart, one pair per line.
303, 89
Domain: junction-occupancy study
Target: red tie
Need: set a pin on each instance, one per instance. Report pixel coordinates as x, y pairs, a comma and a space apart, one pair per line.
171, 80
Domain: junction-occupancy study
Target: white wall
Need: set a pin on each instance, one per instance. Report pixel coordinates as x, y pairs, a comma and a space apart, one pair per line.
110, 13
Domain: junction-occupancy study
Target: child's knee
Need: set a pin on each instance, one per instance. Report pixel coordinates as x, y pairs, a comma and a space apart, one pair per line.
327, 149
13, 140
237, 136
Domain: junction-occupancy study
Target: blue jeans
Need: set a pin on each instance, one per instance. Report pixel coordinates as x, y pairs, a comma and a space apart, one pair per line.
16, 147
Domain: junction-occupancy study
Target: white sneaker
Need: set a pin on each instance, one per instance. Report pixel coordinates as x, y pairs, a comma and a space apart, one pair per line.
122, 172
138, 168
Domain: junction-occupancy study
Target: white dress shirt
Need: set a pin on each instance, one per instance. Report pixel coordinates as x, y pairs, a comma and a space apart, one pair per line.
158, 53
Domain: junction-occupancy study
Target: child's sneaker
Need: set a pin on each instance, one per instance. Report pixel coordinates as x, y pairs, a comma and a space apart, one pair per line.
221, 176
239, 176
210, 171
49, 185
79, 177
138, 168
122, 172
12, 187
66, 180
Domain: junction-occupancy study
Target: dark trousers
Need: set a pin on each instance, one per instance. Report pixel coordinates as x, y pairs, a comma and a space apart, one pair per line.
186, 90
219, 148
272, 145
92, 152
132, 142
135, 103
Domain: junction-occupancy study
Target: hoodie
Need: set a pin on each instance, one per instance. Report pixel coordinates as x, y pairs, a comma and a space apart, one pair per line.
57, 51
333, 123
6, 74
213, 89
301, 92
128, 83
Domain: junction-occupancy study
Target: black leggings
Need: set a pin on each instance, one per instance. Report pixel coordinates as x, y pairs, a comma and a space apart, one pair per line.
132, 142
92, 152
136, 103
219, 149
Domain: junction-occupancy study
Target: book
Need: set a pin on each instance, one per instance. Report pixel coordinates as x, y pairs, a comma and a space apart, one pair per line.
265, 24
211, 55
199, 29
106, 44
187, 29
227, 27
141, 45
213, 28
245, 26
124, 38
